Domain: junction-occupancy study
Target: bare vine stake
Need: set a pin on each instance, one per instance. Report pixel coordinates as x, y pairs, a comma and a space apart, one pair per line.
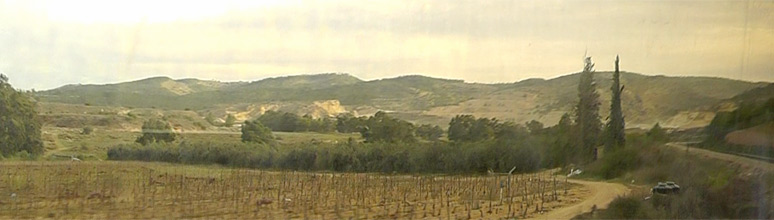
470, 202
510, 197
554, 181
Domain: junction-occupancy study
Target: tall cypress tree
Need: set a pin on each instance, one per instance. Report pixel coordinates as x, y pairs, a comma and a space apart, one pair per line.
587, 120
614, 130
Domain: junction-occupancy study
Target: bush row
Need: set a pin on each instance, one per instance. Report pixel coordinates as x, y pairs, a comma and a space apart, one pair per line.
425, 157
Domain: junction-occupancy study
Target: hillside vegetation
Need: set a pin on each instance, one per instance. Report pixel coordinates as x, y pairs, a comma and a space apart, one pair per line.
748, 129
645, 99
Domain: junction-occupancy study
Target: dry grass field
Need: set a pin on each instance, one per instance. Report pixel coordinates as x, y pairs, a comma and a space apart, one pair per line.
110, 190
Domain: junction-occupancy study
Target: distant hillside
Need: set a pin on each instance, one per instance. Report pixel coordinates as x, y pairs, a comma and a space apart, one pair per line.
675, 101
318, 81
150, 92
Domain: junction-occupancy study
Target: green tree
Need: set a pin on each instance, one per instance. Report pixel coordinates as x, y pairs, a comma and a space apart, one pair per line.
281, 121
459, 127
306, 123
657, 133
254, 131
429, 132
509, 131
560, 141
587, 114
155, 130
323, 125
483, 129
468, 128
290, 122
383, 128
19, 123
614, 130
348, 123
230, 119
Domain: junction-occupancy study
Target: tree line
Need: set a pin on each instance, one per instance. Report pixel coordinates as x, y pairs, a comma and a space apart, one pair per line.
389, 145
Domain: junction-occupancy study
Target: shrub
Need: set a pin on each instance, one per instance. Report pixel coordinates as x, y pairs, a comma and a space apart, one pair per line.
87, 130
657, 134
625, 208
616, 163
155, 130
230, 119
254, 131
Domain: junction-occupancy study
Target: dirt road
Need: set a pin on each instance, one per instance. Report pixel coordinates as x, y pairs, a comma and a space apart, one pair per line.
744, 161
602, 193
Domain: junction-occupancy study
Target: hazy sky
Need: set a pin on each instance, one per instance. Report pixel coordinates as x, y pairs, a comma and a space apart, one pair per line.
46, 44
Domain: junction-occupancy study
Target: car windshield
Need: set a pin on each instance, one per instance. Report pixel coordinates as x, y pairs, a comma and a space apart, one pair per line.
386, 109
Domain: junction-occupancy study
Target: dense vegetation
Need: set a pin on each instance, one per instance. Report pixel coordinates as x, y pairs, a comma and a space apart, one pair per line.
389, 145
289, 122
254, 131
352, 156
382, 128
429, 132
155, 130
347, 123
468, 128
619, 161
709, 188
749, 114
19, 123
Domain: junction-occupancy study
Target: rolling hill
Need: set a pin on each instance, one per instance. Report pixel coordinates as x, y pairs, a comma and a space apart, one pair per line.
673, 101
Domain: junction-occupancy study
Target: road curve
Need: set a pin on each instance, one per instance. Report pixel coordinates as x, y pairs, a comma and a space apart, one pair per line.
602, 193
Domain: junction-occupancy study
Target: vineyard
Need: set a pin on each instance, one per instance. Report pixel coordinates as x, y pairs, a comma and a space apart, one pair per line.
109, 190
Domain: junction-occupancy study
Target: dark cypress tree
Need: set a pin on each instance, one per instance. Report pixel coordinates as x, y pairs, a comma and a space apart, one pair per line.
614, 130
587, 120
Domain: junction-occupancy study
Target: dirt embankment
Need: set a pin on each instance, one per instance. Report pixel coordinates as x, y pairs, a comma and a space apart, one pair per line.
747, 163
761, 135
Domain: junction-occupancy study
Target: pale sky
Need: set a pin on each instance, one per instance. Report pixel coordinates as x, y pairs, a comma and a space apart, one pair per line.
47, 44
